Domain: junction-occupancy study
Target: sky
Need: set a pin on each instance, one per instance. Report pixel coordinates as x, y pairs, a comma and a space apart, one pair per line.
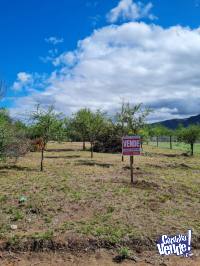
98, 53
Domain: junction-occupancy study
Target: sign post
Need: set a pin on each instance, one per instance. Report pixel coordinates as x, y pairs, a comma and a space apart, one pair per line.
131, 166
130, 147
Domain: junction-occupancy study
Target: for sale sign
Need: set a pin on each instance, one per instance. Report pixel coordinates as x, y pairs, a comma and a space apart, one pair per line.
131, 145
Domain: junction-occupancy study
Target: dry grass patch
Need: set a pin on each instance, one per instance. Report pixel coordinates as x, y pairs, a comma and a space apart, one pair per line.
94, 198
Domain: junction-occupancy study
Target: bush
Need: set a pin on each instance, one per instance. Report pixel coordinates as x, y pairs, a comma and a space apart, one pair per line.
16, 148
13, 142
109, 140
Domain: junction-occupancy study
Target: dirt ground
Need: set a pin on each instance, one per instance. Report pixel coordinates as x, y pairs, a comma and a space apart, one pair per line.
80, 204
99, 258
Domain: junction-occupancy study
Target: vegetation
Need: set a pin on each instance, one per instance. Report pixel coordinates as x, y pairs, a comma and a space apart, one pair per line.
158, 131
88, 126
79, 125
95, 125
13, 142
104, 134
80, 199
47, 125
131, 120
189, 135
94, 199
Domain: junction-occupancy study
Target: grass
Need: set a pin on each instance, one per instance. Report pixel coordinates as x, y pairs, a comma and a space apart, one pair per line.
177, 146
75, 195
124, 251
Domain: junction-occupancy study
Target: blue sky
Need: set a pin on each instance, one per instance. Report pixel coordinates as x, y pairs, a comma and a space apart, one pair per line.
37, 35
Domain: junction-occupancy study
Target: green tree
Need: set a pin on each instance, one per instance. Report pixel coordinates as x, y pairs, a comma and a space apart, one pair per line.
79, 125
13, 142
4, 115
45, 125
121, 121
109, 138
5, 132
88, 126
145, 134
158, 131
189, 135
131, 119
59, 130
95, 124
136, 117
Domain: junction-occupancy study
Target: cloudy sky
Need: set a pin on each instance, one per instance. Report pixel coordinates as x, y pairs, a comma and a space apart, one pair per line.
95, 53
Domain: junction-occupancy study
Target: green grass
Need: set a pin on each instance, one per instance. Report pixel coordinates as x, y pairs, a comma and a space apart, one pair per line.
177, 146
124, 251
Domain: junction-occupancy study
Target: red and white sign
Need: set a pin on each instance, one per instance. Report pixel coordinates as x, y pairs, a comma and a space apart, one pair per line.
131, 145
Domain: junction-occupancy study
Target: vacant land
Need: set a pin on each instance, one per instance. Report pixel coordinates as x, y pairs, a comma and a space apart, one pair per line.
80, 205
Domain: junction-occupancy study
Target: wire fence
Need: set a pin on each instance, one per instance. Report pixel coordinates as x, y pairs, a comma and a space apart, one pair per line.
167, 142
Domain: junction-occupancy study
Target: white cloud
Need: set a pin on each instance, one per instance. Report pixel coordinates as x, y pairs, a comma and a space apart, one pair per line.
54, 40
68, 58
135, 61
52, 55
23, 79
128, 10
29, 82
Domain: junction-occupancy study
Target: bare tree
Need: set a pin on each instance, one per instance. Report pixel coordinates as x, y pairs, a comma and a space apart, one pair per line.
2, 88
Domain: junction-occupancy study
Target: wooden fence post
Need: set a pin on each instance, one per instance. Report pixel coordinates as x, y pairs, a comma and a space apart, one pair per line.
42, 159
170, 142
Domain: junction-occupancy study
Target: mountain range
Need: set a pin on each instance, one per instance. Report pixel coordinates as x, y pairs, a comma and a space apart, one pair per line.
173, 123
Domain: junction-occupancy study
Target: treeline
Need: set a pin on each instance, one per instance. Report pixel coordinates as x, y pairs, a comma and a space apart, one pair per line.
103, 132
188, 135
96, 127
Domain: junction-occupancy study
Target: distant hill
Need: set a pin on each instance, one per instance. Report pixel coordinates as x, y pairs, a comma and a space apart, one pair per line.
173, 123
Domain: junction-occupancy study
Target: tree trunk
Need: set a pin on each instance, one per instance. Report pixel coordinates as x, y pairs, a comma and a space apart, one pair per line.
192, 149
91, 143
42, 159
170, 139
83, 145
157, 140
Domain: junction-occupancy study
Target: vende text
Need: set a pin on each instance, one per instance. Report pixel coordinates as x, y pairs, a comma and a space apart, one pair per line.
128, 143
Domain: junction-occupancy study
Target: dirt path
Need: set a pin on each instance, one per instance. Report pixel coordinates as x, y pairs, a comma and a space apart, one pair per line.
99, 258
